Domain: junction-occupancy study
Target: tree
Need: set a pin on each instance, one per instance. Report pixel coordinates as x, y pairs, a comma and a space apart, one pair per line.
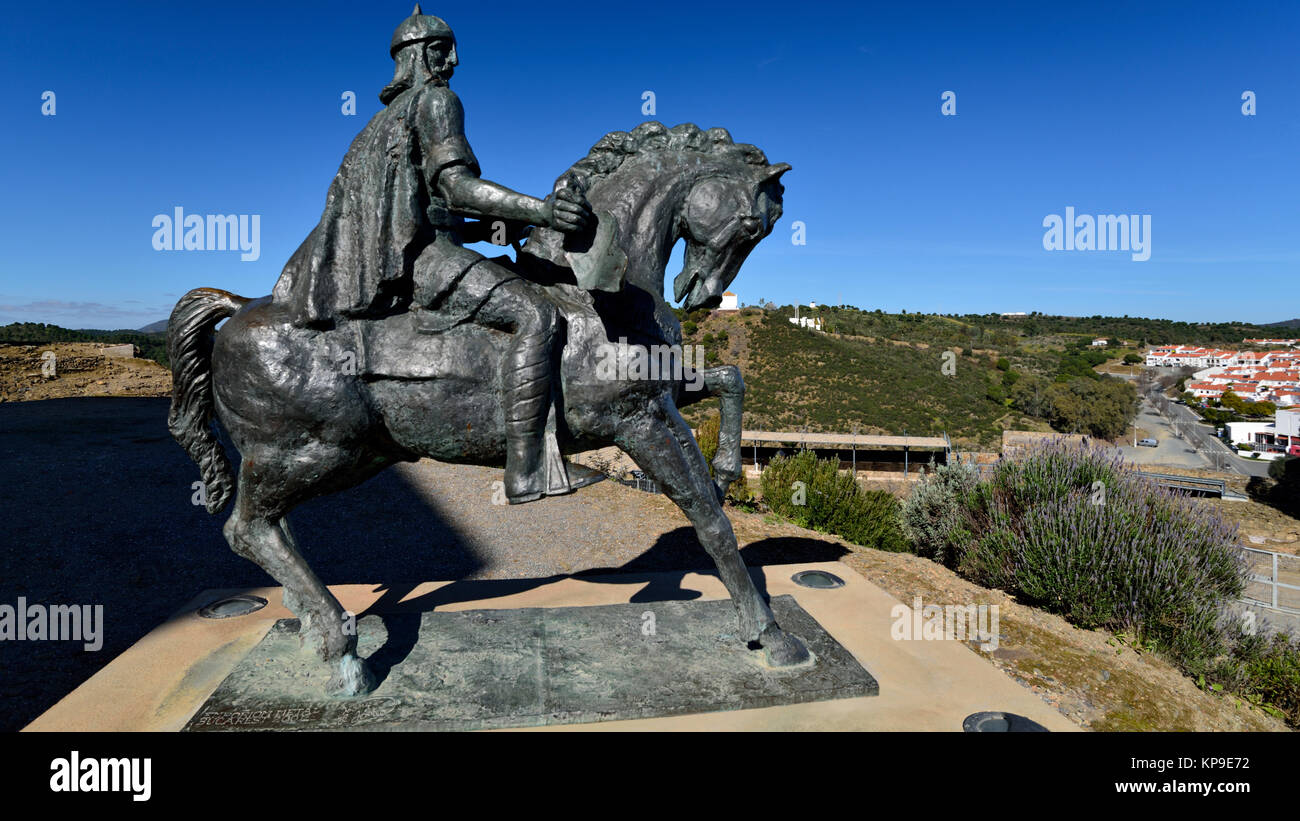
1029, 395
995, 393
1103, 408
1233, 402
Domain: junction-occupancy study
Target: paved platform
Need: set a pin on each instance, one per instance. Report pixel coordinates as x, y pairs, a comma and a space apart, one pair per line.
531, 667
162, 682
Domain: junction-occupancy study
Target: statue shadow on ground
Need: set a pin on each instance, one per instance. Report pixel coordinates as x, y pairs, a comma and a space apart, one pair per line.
99, 511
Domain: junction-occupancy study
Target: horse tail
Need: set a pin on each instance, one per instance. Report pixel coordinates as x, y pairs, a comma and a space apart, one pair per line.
189, 347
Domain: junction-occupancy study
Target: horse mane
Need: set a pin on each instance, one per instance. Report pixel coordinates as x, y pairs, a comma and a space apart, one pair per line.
617, 147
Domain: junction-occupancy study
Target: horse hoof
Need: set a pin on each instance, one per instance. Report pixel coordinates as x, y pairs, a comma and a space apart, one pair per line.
351, 678
782, 649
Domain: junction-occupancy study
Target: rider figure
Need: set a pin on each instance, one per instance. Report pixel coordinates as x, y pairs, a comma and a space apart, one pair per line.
392, 233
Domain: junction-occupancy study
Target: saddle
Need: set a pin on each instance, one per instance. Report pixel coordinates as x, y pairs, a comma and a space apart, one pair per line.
402, 346
418, 344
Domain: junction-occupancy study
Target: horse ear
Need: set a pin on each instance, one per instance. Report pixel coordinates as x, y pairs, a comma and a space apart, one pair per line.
772, 173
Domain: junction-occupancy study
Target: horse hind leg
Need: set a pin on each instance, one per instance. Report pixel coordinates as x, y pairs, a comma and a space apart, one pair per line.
666, 450
263, 538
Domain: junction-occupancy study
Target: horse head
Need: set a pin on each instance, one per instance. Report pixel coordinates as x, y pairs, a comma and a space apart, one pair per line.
686, 184
723, 218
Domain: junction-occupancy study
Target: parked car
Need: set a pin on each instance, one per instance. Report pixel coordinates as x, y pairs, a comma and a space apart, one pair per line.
1147, 443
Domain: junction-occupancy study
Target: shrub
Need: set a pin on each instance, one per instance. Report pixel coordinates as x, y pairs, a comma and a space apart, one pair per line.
738, 493
931, 516
1264, 669
1077, 532
833, 502
1286, 493
707, 437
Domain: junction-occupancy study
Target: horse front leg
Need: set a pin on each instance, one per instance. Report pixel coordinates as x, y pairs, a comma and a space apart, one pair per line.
661, 444
725, 383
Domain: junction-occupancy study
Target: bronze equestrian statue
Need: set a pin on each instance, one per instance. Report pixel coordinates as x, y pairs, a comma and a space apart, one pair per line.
385, 340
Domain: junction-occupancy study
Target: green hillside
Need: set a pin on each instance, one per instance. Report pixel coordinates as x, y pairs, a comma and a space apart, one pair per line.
885, 372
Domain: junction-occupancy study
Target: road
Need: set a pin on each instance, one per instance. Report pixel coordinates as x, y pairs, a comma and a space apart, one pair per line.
1185, 432
1171, 450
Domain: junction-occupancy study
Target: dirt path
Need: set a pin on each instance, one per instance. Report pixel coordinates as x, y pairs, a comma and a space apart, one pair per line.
28, 373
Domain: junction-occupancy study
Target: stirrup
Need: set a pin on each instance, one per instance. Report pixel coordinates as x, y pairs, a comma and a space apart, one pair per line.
563, 476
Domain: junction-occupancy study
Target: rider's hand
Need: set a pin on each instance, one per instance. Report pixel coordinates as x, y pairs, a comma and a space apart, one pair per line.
570, 211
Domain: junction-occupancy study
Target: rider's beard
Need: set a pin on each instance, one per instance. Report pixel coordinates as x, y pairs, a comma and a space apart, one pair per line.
439, 74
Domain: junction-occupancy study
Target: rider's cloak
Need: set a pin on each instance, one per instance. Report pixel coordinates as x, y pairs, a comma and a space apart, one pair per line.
382, 211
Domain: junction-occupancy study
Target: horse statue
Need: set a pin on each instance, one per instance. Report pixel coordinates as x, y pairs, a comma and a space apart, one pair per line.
315, 411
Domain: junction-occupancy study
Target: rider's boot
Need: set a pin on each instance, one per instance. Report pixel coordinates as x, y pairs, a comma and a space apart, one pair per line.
527, 399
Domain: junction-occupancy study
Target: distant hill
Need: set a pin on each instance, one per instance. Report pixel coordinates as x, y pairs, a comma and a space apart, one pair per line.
1286, 323
159, 327
150, 345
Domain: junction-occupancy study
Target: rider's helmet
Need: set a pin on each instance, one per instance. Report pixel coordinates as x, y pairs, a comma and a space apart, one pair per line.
418, 28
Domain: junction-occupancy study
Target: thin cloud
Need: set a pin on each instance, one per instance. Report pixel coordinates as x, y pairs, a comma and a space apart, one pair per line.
78, 314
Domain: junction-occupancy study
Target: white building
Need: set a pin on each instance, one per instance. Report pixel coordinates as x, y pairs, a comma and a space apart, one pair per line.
729, 302
1247, 433
1282, 435
807, 322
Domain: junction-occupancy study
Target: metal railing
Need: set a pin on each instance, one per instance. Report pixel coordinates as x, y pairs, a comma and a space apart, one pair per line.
1216, 487
641, 483
1269, 590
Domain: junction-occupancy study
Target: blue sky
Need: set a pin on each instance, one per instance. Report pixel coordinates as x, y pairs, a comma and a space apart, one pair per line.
1103, 107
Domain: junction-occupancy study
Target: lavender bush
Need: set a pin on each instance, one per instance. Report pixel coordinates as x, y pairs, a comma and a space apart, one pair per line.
1123, 554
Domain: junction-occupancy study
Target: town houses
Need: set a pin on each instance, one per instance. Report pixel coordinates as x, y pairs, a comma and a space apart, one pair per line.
1255, 376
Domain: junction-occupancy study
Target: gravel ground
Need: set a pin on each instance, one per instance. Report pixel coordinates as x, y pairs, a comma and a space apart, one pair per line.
98, 511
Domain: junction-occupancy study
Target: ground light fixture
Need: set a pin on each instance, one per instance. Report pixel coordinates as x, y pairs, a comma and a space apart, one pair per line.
232, 606
817, 578
1000, 722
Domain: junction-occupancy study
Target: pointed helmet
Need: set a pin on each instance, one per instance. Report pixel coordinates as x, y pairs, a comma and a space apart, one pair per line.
418, 28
